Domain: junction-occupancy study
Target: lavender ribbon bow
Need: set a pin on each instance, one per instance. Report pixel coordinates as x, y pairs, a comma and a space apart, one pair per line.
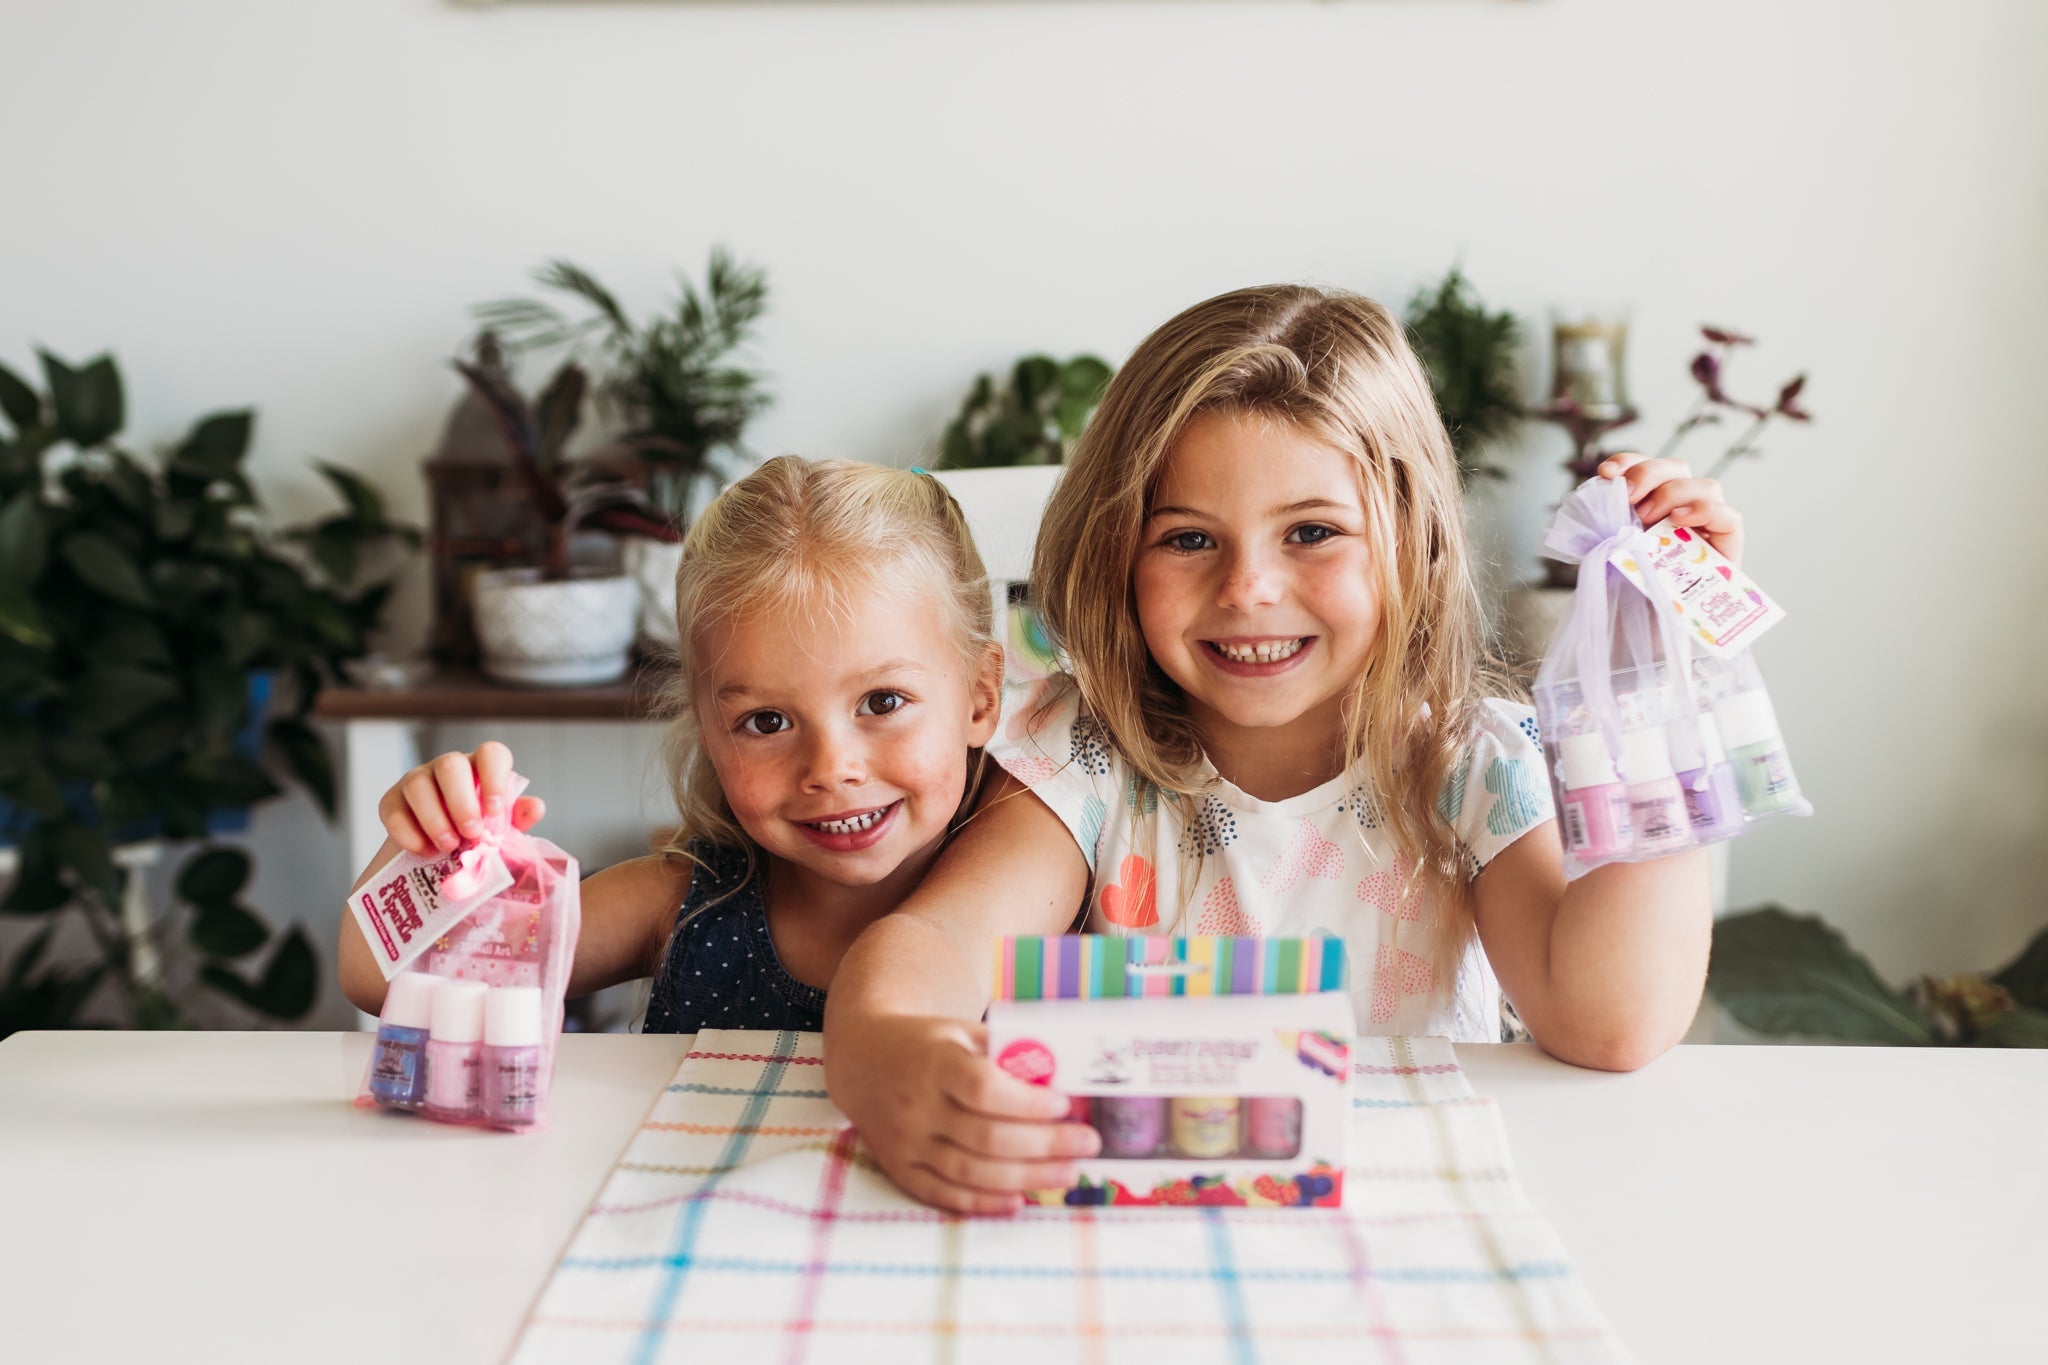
1592, 525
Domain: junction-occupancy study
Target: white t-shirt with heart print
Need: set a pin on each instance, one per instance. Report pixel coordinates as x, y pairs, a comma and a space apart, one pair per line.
1228, 863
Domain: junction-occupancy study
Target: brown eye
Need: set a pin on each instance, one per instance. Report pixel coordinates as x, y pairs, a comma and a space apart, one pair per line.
881, 703
764, 723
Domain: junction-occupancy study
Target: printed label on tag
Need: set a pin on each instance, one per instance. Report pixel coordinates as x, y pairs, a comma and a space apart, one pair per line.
1721, 605
401, 910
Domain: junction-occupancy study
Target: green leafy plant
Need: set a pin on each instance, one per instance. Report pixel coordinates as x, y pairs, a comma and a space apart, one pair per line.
1033, 419
564, 496
146, 609
1469, 353
1784, 974
672, 380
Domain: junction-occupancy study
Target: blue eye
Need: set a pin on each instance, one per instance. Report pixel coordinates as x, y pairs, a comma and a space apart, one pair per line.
1188, 542
764, 723
1312, 534
882, 703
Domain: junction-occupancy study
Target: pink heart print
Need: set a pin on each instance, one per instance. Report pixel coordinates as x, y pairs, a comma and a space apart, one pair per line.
1133, 903
1390, 892
1395, 973
1308, 853
1223, 917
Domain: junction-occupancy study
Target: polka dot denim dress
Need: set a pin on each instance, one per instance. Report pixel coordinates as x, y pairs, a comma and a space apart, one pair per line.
720, 970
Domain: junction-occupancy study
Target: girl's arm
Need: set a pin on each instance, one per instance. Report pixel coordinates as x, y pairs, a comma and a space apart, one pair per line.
1606, 971
904, 1049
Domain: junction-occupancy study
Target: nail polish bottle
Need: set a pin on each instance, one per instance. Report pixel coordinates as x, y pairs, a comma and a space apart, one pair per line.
1272, 1127
1131, 1125
1656, 804
1712, 801
1763, 769
512, 1056
1205, 1127
454, 1049
1596, 810
398, 1070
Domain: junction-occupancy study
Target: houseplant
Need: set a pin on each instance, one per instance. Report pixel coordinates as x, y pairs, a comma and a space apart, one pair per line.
1790, 975
676, 384
1035, 418
144, 606
1469, 354
546, 624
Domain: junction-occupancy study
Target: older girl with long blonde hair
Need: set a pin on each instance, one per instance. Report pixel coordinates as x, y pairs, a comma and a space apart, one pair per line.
837, 680
1277, 718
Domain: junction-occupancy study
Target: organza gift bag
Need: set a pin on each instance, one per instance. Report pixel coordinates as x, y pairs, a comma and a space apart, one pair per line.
476, 946
1659, 731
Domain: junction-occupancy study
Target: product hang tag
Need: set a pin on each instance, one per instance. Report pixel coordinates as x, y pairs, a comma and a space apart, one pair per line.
1720, 604
402, 910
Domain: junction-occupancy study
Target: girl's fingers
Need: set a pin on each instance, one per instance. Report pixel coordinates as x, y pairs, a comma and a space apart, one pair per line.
1644, 475
423, 796
455, 775
1666, 498
958, 1166
977, 1085
399, 824
493, 764
927, 1186
1618, 464
527, 812
982, 1136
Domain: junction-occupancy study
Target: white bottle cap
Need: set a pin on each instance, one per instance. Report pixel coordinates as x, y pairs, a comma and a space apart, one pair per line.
1583, 761
1746, 718
1695, 743
459, 1011
409, 1000
512, 1017
1645, 755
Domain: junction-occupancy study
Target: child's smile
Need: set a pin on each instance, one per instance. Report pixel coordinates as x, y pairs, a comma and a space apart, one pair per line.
1257, 594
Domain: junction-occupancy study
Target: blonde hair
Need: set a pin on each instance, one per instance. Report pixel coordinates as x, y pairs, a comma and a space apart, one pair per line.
1338, 367
803, 539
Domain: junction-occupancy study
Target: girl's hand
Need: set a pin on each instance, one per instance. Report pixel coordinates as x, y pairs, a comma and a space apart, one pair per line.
437, 805
945, 1124
1660, 489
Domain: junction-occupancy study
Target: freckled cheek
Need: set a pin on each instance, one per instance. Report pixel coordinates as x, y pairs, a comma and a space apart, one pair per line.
934, 769
755, 790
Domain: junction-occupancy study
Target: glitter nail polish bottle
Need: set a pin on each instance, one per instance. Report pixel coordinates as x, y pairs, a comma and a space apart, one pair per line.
454, 1049
1712, 800
398, 1070
512, 1056
1131, 1126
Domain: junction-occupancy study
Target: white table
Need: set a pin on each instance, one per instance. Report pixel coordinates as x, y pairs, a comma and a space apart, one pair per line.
210, 1196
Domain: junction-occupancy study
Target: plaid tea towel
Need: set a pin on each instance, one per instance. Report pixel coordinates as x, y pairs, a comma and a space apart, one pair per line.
745, 1221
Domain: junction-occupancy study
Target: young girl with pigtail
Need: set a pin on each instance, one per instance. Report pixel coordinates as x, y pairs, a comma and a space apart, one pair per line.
837, 681
1277, 718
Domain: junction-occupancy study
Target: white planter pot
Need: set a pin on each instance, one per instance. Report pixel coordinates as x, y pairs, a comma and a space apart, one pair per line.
562, 634
653, 566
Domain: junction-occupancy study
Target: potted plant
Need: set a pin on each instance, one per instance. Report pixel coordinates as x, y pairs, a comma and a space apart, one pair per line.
1468, 351
673, 383
549, 625
148, 616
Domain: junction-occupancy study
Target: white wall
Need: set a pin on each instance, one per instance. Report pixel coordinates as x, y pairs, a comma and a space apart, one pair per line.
294, 204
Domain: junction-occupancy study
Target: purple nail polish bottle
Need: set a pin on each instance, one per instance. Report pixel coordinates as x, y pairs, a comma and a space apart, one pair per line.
1712, 798
454, 1050
512, 1056
1131, 1126
1595, 812
1656, 804
398, 1070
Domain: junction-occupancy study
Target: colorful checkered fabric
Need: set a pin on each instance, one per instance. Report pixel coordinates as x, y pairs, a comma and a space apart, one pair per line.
745, 1222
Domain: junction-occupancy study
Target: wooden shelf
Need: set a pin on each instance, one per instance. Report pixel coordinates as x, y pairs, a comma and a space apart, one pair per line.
465, 694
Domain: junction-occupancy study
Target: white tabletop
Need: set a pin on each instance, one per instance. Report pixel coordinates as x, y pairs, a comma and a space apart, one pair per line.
168, 1194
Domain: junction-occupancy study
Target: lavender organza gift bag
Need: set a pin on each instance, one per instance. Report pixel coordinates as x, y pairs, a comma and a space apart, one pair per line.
1660, 736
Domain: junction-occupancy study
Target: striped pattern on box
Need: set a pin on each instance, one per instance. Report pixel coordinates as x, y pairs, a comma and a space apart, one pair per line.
1107, 967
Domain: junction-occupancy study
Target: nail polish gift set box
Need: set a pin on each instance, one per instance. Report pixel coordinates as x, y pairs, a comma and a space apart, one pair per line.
476, 948
1658, 730
1215, 1070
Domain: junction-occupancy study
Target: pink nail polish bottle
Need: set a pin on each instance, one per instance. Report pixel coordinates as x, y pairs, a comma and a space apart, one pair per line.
512, 1056
1273, 1126
1656, 804
1131, 1125
1596, 810
454, 1050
